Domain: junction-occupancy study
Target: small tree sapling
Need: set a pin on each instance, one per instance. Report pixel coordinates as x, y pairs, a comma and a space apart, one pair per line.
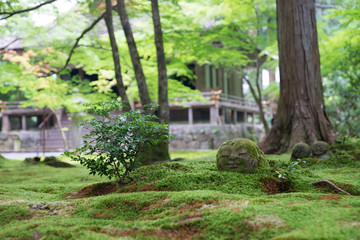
116, 139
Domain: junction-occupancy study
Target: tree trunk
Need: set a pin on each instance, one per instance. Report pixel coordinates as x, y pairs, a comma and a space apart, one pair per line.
159, 152
115, 53
61, 130
257, 95
161, 64
301, 113
139, 74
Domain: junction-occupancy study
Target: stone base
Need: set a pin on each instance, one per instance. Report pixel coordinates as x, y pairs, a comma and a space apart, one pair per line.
208, 136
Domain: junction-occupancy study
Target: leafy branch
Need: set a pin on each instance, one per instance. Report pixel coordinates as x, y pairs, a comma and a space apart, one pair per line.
78, 40
10, 14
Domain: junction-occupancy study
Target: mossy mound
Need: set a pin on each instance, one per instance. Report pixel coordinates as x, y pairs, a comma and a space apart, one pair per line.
240, 155
320, 148
32, 160
54, 162
300, 150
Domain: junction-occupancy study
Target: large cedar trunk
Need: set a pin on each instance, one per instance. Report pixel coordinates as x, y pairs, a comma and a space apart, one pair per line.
139, 73
115, 53
301, 113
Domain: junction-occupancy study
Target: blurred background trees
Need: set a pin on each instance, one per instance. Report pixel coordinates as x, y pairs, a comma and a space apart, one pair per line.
237, 35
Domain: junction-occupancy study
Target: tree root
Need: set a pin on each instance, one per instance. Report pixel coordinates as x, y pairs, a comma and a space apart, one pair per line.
331, 184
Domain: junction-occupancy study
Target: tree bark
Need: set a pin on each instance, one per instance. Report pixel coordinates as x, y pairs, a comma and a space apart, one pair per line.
257, 95
301, 113
115, 53
159, 152
161, 64
139, 73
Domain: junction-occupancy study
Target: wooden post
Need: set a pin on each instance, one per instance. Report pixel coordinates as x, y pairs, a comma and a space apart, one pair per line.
190, 116
23, 122
223, 115
5, 123
214, 114
235, 116
226, 83
213, 79
245, 117
207, 76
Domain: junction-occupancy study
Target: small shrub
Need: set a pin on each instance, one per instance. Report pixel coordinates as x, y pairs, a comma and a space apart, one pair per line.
115, 140
284, 170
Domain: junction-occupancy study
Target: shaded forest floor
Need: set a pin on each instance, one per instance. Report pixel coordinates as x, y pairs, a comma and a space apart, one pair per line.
187, 199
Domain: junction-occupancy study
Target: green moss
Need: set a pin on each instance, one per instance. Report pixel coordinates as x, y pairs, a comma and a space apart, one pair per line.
189, 198
10, 213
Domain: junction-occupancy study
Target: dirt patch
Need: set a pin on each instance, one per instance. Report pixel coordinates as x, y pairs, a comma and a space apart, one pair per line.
93, 190
144, 188
330, 197
274, 186
181, 232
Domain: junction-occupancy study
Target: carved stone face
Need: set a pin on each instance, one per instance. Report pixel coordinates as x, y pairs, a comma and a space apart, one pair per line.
240, 155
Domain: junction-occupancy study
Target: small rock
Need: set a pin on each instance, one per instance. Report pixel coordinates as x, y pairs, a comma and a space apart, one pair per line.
36, 235
325, 156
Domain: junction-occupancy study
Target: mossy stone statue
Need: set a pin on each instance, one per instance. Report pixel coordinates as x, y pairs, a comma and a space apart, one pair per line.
300, 150
320, 148
240, 155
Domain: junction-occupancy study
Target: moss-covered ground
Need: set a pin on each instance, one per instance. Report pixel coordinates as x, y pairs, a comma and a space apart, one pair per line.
186, 199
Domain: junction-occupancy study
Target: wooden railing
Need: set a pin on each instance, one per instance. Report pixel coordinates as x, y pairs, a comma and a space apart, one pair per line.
4, 105
214, 97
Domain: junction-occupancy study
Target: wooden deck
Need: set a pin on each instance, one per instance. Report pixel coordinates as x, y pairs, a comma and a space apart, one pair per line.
46, 139
218, 104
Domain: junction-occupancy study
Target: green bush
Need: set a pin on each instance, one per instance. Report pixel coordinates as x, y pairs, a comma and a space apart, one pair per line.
116, 139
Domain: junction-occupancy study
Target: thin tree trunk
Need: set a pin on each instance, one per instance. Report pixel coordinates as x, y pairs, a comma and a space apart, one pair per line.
301, 113
159, 152
139, 74
258, 98
62, 133
115, 53
161, 64
259, 101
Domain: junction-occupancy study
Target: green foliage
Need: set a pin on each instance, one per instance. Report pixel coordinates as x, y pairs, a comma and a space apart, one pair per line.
116, 139
339, 46
285, 170
9, 213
